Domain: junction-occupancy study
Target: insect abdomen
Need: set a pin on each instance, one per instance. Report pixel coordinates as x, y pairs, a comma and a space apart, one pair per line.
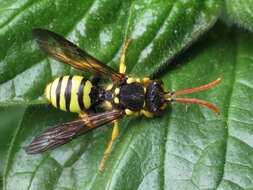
70, 93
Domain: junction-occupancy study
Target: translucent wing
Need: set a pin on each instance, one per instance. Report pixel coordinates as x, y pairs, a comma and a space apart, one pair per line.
67, 52
64, 133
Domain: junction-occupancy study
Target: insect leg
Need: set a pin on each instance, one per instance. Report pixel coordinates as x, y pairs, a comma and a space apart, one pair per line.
145, 81
83, 114
122, 66
115, 134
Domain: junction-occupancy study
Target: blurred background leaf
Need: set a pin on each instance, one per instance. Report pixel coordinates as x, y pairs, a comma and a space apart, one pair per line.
240, 12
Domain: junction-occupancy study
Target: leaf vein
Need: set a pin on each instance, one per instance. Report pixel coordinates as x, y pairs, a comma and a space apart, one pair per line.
227, 116
20, 11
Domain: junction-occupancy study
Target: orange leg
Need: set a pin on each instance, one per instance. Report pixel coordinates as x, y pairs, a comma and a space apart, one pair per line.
122, 66
145, 81
115, 134
83, 114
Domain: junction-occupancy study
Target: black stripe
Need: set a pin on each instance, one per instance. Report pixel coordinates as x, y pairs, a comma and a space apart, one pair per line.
68, 93
58, 93
80, 93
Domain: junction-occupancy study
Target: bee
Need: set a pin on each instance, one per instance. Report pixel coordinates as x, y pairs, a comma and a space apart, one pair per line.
123, 96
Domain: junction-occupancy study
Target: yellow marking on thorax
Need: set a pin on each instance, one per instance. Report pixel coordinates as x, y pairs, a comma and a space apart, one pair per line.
109, 87
138, 80
130, 80
86, 94
116, 100
117, 90
74, 106
53, 91
62, 94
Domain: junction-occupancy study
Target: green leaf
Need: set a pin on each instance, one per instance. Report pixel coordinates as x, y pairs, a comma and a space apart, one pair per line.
10, 117
182, 149
240, 12
187, 147
159, 30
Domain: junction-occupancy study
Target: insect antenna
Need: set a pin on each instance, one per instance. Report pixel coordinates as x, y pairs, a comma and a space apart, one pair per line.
195, 101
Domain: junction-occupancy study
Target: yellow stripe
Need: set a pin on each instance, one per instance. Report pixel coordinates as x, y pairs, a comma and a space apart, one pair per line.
74, 106
62, 94
86, 94
53, 91
47, 91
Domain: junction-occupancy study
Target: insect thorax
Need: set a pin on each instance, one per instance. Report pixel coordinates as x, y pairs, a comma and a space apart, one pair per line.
71, 93
136, 98
125, 96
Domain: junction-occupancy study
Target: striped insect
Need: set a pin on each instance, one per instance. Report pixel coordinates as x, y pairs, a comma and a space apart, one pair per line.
123, 96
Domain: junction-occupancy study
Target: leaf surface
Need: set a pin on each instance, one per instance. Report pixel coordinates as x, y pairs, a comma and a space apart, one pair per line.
187, 147
240, 12
159, 30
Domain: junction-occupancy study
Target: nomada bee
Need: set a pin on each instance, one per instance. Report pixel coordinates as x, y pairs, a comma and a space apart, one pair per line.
123, 96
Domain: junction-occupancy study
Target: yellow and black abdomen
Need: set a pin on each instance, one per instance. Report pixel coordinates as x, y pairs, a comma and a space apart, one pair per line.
70, 93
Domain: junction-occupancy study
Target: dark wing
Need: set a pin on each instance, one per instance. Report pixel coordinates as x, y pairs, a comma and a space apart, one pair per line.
67, 52
64, 133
